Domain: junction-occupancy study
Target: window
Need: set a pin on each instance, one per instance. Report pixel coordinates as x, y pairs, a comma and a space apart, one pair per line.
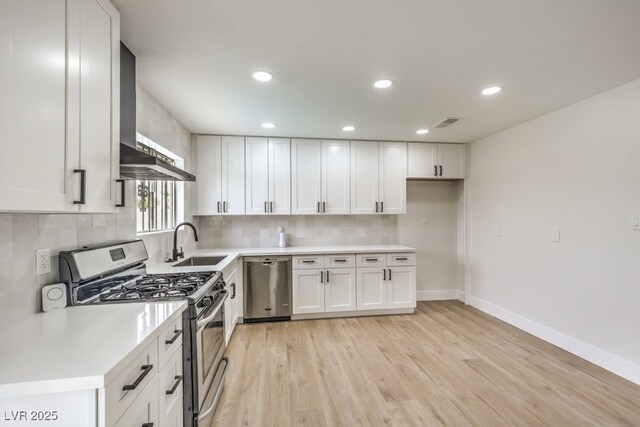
158, 203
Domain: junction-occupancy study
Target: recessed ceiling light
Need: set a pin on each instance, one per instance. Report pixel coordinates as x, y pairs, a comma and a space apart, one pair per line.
262, 76
422, 131
348, 128
268, 125
491, 90
383, 84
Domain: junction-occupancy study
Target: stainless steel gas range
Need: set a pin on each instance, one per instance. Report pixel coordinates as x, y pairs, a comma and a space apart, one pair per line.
116, 273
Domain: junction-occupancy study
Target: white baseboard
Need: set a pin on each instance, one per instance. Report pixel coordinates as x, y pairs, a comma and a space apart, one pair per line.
443, 295
595, 355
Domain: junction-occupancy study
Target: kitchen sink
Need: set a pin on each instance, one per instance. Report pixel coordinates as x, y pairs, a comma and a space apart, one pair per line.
200, 261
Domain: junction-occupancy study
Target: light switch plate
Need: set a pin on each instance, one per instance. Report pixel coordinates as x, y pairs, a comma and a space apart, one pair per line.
555, 235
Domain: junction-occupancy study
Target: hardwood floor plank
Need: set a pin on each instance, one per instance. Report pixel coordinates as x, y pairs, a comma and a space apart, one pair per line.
447, 364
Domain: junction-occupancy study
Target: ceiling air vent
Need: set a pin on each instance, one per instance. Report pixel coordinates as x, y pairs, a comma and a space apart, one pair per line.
447, 122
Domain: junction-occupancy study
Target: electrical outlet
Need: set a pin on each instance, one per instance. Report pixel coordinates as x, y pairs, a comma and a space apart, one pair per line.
555, 235
43, 261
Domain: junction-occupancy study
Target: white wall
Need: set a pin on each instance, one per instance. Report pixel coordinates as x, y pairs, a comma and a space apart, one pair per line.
578, 170
436, 242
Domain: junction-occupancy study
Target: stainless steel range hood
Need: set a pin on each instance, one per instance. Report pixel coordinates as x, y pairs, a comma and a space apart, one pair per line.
134, 163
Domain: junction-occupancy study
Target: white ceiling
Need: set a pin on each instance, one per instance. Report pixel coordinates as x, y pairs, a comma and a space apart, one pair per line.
196, 57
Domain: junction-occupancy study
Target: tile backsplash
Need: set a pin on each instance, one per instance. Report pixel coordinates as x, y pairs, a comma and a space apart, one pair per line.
308, 230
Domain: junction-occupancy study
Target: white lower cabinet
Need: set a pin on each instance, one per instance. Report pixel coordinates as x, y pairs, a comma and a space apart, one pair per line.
231, 278
390, 284
149, 389
335, 283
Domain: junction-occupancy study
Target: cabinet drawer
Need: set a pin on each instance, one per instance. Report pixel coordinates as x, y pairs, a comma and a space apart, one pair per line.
123, 390
400, 259
170, 339
371, 260
171, 383
340, 261
144, 409
308, 261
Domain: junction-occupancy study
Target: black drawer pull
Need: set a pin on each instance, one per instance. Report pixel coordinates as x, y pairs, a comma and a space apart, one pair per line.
233, 286
147, 425
308, 261
339, 260
402, 259
83, 187
145, 371
122, 196
174, 338
371, 259
172, 390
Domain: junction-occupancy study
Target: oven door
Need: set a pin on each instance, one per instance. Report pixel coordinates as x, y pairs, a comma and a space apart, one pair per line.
210, 344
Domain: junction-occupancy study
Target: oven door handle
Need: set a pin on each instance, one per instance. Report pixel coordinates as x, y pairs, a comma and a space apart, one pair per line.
202, 322
205, 414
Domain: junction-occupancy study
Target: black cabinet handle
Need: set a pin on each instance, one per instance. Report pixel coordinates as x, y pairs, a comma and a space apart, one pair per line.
384, 274
376, 207
435, 170
318, 207
266, 206
224, 207
381, 207
440, 170
401, 259
233, 287
122, 197
173, 388
371, 259
218, 207
271, 207
389, 274
83, 187
145, 371
324, 207
174, 338
339, 260
327, 276
147, 425
321, 276
308, 261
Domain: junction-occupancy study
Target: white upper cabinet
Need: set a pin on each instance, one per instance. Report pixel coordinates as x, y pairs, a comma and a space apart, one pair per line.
232, 169
279, 176
437, 161
306, 177
320, 177
268, 176
220, 181
59, 113
393, 177
378, 177
336, 189
364, 177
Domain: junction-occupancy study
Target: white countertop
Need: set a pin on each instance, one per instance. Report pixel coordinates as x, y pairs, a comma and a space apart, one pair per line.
233, 253
77, 348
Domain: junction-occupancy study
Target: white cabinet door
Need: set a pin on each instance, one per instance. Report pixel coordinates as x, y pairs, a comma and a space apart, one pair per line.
232, 175
144, 408
170, 391
393, 177
422, 160
280, 176
364, 177
401, 287
452, 159
208, 164
336, 188
340, 289
371, 289
231, 305
257, 176
306, 176
33, 176
99, 53
308, 291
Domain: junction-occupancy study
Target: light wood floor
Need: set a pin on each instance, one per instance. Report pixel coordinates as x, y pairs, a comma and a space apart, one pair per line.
445, 365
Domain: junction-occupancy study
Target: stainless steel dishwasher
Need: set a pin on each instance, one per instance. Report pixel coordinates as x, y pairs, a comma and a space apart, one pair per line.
267, 288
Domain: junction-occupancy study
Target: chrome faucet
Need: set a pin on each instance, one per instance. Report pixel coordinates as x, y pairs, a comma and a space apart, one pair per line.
177, 255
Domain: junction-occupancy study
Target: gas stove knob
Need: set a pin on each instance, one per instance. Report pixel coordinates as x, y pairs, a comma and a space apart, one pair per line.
207, 301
